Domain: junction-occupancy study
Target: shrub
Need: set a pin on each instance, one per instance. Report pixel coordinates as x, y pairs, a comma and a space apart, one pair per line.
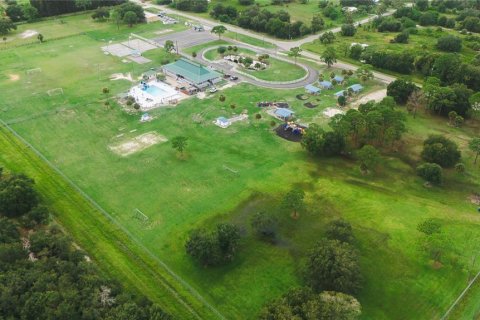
431, 172
264, 225
340, 230
449, 43
440, 150
348, 30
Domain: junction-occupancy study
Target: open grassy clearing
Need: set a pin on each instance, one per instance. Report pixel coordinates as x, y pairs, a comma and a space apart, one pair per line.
76, 24
423, 42
75, 130
277, 70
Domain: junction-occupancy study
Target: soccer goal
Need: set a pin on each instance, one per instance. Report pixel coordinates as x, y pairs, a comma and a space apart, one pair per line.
139, 215
55, 92
33, 71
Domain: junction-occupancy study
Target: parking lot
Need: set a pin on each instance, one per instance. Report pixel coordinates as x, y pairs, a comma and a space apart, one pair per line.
187, 38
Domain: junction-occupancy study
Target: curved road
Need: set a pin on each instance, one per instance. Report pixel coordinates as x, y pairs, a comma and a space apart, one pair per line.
312, 74
284, 45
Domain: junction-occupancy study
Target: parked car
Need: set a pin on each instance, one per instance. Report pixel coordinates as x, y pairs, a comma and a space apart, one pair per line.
212, 90
234, 78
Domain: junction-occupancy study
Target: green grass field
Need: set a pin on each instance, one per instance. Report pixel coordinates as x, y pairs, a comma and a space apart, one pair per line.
424, 41
74, 131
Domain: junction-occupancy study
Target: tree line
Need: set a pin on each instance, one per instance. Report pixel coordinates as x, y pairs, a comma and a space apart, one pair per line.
44, 275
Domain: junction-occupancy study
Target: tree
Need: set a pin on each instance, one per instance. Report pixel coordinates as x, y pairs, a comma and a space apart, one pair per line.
348, 30
303, 304
333, 305
449, 43
264, 225
474, 146
364, 74
17, 196
333, 266
130, 18
401, 37
101, 14
369, 158
179, 143
329, 56
415, 101
14, 12
440, 150
327, 37
295, 52
116, 16
169, 46
322, 143
29, 12
83, 4
215, 247
294, 201
356, 51
431, 172
40, 37
401, 90
342, 100
340, 230
317, 23
219, 30
433, 241
6, 25
8, 231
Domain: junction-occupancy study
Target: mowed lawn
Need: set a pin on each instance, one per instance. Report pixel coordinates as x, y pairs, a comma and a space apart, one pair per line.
75, 131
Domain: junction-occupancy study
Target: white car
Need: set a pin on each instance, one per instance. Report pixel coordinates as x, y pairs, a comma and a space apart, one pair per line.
212, 90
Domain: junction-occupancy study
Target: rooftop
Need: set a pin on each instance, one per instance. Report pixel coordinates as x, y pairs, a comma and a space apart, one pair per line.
312, 88
191, 71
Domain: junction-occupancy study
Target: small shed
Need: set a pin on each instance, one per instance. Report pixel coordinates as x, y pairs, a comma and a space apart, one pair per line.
312, 89
284, 113
356, 88
326, 84
339, 93
339, 79
222, 122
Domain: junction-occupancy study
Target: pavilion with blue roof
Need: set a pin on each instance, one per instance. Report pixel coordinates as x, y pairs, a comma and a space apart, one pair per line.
356, 88
339, 79
326, 84
339, 93
312, 89
284, 113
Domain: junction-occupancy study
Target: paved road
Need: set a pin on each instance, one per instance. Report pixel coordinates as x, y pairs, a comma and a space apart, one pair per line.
281, 44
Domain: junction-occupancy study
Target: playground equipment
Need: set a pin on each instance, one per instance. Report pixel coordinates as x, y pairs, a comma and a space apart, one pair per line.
294, 127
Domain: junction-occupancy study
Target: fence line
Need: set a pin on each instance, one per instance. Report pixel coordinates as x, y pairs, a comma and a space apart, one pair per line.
128, 233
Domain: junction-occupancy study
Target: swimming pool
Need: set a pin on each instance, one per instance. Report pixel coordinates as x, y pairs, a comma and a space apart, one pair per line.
155, 91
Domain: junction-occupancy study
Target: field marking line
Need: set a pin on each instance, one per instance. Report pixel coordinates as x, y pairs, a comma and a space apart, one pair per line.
460, 297
128, 233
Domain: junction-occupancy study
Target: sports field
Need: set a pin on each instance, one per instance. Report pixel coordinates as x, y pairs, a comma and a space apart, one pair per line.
75, 131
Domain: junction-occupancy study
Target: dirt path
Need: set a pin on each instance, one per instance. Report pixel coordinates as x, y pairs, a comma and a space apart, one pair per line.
375, 95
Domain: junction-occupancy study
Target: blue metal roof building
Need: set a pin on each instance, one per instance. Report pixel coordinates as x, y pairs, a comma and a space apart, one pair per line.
339, 93
284, 113
326, 84
339, 79
312, 89
356, 87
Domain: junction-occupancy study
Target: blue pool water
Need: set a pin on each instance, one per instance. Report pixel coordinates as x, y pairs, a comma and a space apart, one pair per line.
155, 91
